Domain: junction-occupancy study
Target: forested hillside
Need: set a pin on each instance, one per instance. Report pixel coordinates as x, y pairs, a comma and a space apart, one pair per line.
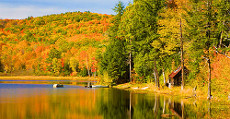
62, 44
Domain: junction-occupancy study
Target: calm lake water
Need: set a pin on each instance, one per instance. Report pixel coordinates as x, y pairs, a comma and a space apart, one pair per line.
37, 99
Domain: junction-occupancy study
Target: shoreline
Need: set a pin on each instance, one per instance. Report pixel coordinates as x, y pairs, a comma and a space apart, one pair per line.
47, 78
147, 88
186, 94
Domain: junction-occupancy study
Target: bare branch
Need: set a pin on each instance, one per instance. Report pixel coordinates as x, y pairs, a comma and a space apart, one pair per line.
206, 58
220, 52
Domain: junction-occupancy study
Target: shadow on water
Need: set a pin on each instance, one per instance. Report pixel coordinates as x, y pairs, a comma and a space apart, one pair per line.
41, 101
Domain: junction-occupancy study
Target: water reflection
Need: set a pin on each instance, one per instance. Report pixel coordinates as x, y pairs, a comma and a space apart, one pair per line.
144, 106
44, 102
113, 104
47, 103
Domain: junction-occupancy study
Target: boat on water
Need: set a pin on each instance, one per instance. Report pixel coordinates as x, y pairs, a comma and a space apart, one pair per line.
58, 86
99, 86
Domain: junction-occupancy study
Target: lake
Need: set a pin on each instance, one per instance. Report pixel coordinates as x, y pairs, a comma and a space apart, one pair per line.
37, 99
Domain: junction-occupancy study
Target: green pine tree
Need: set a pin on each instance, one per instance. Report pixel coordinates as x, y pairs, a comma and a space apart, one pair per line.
114, 60
223, 17
139, 28
201, 33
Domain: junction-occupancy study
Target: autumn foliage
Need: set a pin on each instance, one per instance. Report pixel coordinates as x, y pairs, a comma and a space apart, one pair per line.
221, 68
59, 44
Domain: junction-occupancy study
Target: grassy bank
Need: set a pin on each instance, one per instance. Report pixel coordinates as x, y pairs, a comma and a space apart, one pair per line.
187, 93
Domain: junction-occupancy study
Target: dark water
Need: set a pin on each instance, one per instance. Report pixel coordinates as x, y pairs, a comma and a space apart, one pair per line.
39, 100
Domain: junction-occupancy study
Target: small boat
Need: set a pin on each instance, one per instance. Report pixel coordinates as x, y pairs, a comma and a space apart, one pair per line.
88, 86
58, 86
99, 86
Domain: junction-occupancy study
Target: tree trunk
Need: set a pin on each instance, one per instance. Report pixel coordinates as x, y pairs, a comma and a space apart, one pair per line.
156, 74
209, 2
130, 66
88, 67
209, 109
163, 71
155, 77
209, 80
182, 58
130, 63
221, 39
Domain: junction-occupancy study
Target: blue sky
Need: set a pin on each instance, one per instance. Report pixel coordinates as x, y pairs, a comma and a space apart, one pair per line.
20, 9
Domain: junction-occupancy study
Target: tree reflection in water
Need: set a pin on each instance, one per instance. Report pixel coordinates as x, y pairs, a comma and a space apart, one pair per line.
108, 103
122, 104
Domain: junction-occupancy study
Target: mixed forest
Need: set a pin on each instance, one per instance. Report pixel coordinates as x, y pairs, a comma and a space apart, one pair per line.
64, 44
144, 42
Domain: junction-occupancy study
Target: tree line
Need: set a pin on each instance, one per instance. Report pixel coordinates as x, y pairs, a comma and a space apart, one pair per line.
64, 44
152, 38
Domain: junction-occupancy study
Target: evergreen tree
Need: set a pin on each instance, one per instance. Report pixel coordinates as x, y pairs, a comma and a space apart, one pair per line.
139, 28
201, 33
114, 60
223, 17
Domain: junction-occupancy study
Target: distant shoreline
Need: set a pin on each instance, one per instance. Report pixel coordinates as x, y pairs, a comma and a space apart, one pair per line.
46, 78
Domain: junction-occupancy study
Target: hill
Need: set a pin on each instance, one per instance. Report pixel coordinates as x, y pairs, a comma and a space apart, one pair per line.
58, 44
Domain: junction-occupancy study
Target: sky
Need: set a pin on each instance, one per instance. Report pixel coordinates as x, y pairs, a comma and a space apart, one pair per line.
20, 9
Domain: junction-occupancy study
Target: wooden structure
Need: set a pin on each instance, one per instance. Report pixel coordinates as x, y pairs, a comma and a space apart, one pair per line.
175, 77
